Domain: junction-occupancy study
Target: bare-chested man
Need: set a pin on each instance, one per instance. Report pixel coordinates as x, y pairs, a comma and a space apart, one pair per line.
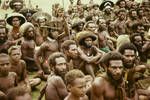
88, 52
76, 84
7, 79
55, 88
110, 86
4, 42
70, 49
131, 69
48, 47
28, 45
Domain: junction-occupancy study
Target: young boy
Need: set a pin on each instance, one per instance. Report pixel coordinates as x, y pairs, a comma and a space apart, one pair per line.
7, 79
76, 84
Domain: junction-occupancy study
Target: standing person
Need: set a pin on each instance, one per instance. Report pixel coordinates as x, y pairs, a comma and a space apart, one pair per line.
88, 51
15, 20
55, 88
110, 85
7, 79
76, 84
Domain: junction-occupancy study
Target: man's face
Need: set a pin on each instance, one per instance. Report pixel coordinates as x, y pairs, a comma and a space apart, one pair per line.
61, 66
78, 87
129, 58
122, 15
15, 55
30, 33
73, 51
16, 22
42, 21
24, 97
102, 23
92, 27
88, 42
3, 35
4, 65
115, 68
138, 41
18, 6
134, 14
141, 29
122, 4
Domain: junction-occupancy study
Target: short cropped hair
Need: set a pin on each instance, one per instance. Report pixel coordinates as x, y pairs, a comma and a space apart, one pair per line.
72, 75
65, 45
125, 46
13, 48
53, 56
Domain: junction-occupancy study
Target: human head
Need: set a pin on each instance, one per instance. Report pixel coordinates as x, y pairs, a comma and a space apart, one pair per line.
58, 63
3, 34
121, 14
137, 40
101, 24
15, 19
69, 47
86, 38
27, 29
113, 63
76, 83
16, 5
133, 14
4, 64
90, 26
129, 52
18, 93
14, 53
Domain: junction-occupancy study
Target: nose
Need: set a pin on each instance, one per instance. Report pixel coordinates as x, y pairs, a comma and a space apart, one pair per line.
118, 70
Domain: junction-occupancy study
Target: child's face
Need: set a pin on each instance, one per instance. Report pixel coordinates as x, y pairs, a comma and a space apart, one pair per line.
78, 87
15, 55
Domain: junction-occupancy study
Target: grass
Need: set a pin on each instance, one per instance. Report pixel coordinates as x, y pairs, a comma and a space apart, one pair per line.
36, 92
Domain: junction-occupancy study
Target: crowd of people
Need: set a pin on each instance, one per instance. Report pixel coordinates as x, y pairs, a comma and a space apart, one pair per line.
86, 52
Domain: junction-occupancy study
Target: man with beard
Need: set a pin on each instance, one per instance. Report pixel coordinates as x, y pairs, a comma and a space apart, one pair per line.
70, 49
110, 85
132, 69
49, 46
4, 43
88, 52
119, 23
55, 88
133, 18
16, 5
28, 45
7, 79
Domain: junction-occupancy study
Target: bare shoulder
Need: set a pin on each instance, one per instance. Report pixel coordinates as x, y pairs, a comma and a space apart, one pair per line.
99, 81
12, 74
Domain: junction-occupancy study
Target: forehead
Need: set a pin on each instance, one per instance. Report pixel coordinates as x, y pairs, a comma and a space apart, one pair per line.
72, 46
4, 59
129, 52
15, 18
2, 30
79, 81
60, 60
116, 63
88, 38
138, 37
